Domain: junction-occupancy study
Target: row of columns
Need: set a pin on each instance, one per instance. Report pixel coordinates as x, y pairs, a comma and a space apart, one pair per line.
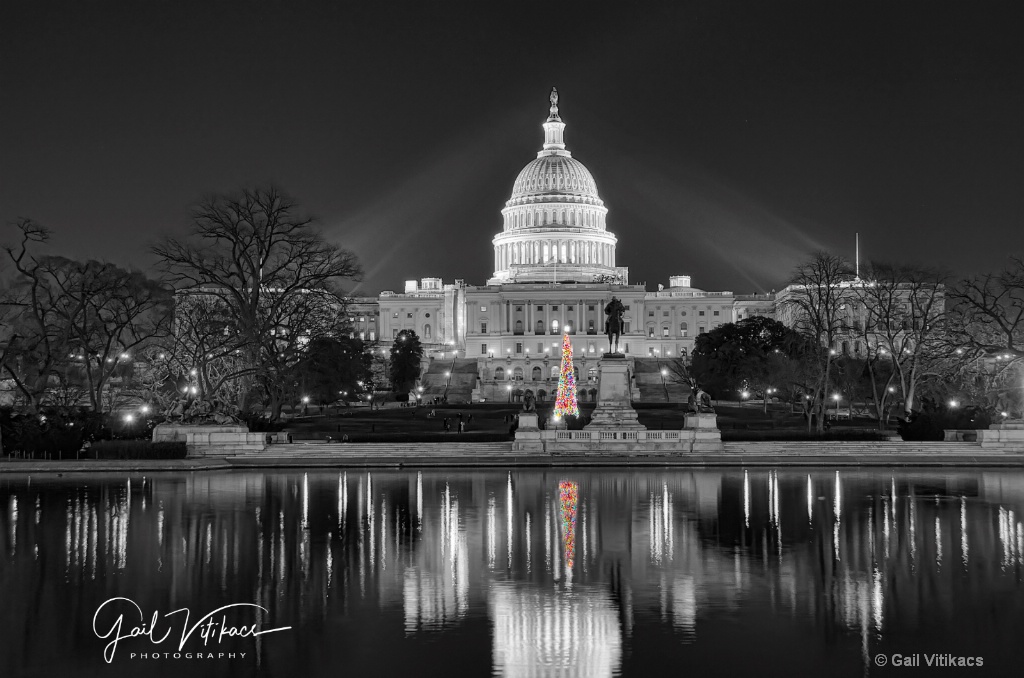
579, 218
540, 252
530, 321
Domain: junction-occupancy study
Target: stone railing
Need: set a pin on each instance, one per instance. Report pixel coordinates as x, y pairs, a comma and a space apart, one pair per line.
599, 435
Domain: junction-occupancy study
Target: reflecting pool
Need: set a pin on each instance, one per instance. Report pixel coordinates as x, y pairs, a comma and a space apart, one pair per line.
561, 572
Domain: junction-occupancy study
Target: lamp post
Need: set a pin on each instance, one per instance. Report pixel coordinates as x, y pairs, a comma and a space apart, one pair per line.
664, 386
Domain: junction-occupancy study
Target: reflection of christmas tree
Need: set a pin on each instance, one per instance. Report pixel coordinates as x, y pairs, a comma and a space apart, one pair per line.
565, 401
567, 497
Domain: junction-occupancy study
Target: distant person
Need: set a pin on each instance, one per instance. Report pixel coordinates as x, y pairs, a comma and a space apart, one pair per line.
447, 425
462, 426
469, 419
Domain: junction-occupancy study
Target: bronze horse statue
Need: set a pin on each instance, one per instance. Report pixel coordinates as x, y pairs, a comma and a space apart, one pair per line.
613, 325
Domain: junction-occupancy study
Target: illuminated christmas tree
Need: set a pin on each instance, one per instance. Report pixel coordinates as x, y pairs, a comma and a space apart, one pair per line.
565, 401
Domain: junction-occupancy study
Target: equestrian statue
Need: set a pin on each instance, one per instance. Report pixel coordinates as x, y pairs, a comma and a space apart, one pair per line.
613, 325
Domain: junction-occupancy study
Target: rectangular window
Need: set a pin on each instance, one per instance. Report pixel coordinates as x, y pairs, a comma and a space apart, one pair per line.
554, 308
483, 328
483, 309
650, 314
702, 313
395, 314
373, 336
590, 308
664, 314
540, 347
483, 349
664, 331
408, 315
701, 330
519, 309
716, 312
519, 348
362, 335
540, 308
627, 307
394, 333
362, 319
650, 332
568, 308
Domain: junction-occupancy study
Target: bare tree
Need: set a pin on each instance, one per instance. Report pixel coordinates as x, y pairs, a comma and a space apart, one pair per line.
987, 315
38, 339
814, 304
274, 278
901, 318
112, 313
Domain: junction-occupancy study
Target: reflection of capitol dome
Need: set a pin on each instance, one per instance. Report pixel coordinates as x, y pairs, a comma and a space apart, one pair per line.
554, 221
554, 633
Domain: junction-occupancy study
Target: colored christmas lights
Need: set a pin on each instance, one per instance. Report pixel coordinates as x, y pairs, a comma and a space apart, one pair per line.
565, 401
567, 498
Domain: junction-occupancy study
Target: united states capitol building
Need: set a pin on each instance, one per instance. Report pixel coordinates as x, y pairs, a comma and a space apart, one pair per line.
555, 267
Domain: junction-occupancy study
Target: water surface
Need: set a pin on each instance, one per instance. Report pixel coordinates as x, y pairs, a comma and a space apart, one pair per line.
568, 572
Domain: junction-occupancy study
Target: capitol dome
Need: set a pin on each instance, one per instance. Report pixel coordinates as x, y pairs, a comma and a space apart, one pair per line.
554, 221
554, 174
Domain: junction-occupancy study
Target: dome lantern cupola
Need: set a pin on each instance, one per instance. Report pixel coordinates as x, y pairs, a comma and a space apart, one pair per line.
554, 142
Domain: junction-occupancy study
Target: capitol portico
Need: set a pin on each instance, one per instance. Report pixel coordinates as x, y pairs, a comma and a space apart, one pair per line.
555, 267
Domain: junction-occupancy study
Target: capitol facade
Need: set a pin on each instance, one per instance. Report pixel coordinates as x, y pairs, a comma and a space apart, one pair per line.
555, 267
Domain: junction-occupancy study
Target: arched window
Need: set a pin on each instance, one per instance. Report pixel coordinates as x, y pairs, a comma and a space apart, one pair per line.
592, 374
576, 375
683, 329
519, 327
650, 331
499, 374
536, 374
541, 393
572, 326
539, 327
554, 371
517, 374
426, 331
664, 330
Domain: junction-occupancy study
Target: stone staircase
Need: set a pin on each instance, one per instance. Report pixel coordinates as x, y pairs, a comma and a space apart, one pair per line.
382, 451
647, 375
464, 377
838, 449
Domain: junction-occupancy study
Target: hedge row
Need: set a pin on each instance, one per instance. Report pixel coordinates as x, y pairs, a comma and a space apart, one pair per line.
138, 449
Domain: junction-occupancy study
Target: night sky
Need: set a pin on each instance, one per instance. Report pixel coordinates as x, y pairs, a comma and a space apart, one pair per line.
728, 139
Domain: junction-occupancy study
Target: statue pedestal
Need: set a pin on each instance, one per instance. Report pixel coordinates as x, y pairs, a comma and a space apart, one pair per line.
528, 435
702, 431
614, 409
528, 421
203, 440
1006, 435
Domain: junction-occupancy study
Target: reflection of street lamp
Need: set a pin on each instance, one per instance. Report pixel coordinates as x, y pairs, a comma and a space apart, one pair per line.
837, 399
744, 394
509, 387
305, 405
